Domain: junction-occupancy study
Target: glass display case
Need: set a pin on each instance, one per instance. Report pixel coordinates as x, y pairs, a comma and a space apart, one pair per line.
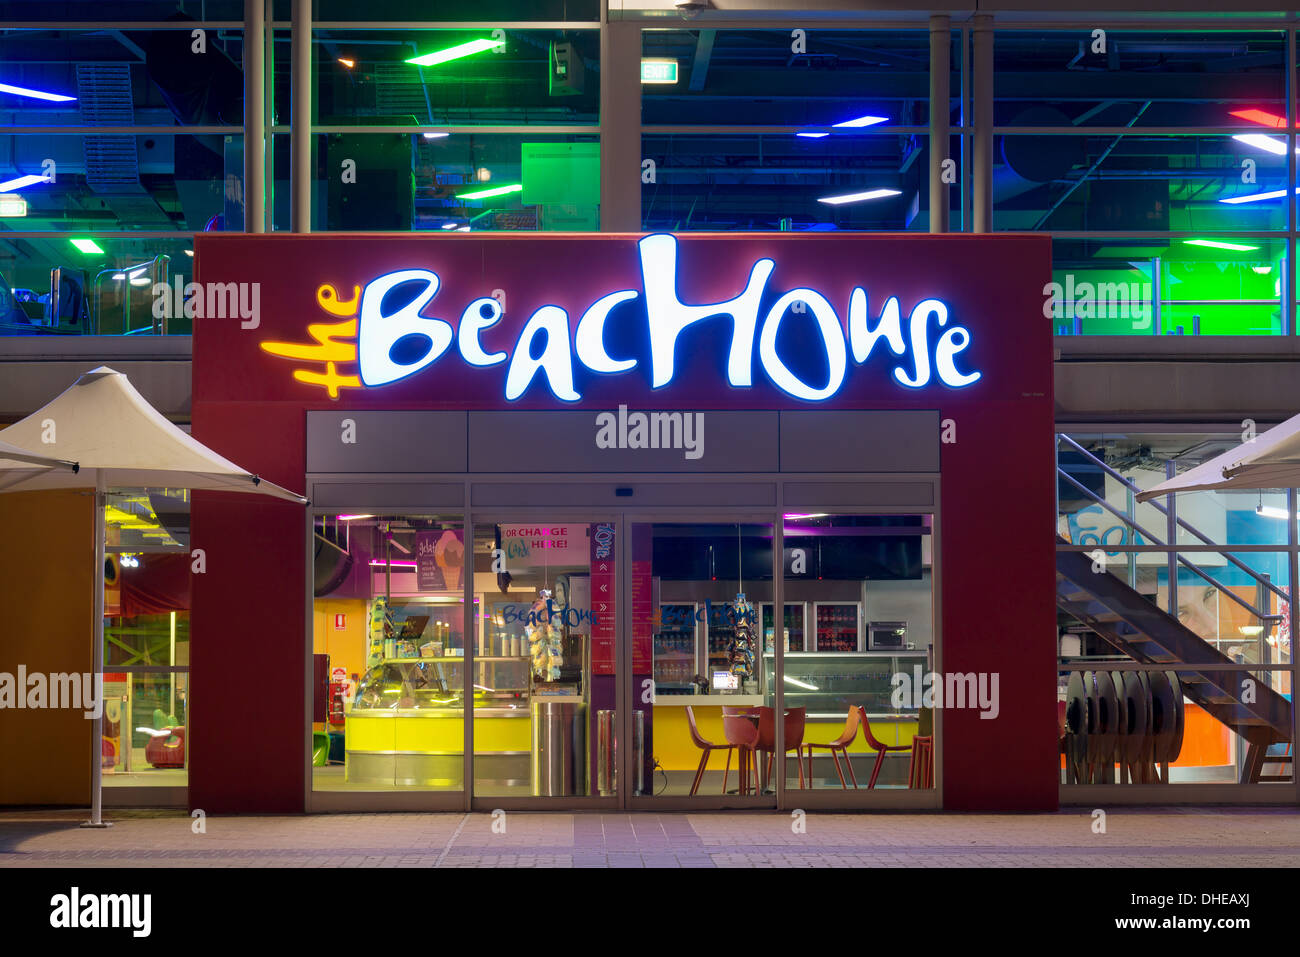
838, 626
829, 684
675, 642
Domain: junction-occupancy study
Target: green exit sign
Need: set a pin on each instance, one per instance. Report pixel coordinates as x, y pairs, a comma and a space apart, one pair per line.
658, 71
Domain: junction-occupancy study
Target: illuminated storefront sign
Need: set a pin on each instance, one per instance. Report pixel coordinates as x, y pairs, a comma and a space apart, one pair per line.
382, 330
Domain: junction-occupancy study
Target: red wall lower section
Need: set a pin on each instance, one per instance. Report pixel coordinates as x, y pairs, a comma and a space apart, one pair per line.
998, 569
248, 728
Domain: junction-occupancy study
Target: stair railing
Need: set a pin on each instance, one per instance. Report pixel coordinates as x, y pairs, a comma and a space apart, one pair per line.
1132, 523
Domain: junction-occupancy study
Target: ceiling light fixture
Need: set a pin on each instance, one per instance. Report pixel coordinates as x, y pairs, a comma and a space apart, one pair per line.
494, 191
10, 185
1256, 197
457, 52
87, 246
858, 197
1217, 244
435, 136
856, 123
1262, 142
1261, 117
35, 94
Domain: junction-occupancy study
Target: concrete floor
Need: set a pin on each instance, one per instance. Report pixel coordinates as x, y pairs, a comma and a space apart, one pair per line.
1147, 837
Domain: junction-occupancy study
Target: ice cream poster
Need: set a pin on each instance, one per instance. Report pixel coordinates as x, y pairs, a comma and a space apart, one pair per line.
439, 560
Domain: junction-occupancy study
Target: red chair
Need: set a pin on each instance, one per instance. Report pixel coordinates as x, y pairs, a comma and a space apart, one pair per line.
708, 747
880, 748
920, 771
839, 746
741, 732
795, 719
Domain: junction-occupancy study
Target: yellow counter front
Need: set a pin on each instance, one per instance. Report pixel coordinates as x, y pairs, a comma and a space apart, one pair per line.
417, 747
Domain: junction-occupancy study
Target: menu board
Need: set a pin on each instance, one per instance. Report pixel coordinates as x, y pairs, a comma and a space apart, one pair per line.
642, 600
603, 585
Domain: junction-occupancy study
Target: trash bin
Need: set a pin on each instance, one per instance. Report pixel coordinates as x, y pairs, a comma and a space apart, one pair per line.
559, 748
607, 752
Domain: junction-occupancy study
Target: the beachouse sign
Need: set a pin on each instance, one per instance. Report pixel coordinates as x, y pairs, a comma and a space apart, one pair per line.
382, 332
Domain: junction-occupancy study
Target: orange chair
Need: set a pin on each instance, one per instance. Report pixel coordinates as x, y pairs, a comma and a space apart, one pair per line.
920, 771
741, 732
880, 748
838, 746
795, 719
708, 747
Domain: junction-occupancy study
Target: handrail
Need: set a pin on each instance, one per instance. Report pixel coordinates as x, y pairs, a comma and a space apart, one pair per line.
1194, 567
1259, 579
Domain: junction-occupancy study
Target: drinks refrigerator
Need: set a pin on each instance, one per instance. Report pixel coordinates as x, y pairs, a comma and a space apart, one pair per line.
839, 626
795, 613
676, 645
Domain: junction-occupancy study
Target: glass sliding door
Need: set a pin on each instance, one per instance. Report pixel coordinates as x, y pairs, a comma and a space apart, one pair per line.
699, 692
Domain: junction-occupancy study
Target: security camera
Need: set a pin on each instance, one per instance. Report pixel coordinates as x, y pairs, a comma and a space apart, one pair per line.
689, 8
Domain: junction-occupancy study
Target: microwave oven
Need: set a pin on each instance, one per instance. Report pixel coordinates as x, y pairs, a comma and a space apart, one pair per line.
887, 636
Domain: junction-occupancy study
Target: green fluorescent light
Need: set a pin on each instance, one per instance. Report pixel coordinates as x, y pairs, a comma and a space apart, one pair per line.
87, 246
658, 70
1216, 244
494, 191
456, 52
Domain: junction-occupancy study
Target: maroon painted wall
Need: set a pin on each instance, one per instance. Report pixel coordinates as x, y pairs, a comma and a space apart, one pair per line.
248, 720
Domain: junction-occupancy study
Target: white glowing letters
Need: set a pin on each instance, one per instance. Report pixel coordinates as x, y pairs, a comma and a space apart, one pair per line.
394, 345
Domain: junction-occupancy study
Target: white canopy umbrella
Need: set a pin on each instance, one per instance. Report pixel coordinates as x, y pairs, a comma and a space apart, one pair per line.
1270, 460
17, 465
116, 440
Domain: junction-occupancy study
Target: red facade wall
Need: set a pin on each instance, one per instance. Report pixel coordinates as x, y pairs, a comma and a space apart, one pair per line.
248, 720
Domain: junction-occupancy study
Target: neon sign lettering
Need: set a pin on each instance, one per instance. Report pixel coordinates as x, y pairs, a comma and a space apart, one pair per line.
394, 343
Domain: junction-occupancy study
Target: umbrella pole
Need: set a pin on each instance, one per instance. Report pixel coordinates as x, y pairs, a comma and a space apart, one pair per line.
97, 745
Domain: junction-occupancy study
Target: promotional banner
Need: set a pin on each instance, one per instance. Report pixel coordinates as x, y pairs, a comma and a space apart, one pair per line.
603, 585
439, 560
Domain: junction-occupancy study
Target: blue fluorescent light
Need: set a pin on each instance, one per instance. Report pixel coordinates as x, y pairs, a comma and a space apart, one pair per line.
857, 197
864, 121
855, 123
35, 94
1255, 197
20, 182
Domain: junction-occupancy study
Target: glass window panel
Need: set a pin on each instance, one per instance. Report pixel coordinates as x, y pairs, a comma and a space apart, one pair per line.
1179, 726
1140, 182
544, 655
146, 720
532, 77
701, 181
450, 11
864, 584
768, 78
1166, 78
470, 182
389, 613
1107, 286
148, 182
123, 78
107, 289
699, 592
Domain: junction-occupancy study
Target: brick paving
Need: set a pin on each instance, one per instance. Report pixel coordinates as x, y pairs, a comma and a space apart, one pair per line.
1146, 837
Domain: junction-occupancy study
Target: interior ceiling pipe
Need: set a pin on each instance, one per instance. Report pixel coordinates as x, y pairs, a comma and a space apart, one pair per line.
300, 163
982, 137
940, 71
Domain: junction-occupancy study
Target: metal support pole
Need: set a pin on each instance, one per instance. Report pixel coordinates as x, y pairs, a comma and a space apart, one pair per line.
1292, 272
940, 111
300, 114
97, 668
268, 114
982, 108
1171, 538
620, 126
254, 117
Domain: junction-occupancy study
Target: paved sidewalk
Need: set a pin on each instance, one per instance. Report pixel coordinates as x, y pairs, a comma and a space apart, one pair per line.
1147, 837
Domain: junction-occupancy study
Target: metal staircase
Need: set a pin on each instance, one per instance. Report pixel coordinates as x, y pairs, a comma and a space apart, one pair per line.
1139, 629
